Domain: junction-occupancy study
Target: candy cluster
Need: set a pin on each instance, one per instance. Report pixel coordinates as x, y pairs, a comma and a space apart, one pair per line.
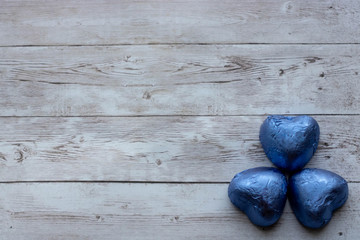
289, 143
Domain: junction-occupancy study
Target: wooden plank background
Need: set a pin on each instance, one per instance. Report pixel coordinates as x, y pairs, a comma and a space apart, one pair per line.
93, 22
149, 211
128, 119
180, 80
157, 149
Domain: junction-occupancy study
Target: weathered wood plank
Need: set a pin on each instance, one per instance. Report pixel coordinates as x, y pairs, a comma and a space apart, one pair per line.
180, 80
167, 149
185, 21
148, 211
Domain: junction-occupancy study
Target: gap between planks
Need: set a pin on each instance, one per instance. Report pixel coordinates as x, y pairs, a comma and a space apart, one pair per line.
177, 115
125, 182
167, 44
122, 182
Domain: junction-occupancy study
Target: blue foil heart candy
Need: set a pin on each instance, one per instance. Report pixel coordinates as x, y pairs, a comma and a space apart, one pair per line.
260, 193
314, 194
289, 142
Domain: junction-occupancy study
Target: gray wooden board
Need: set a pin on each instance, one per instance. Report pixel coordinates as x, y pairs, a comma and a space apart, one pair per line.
127, 119
80, 22
166, 149
180, 80
148, 211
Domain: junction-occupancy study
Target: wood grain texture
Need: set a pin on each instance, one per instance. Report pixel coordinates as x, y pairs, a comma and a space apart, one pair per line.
127, 119
180, 80
148, 211
166, 149
82, 22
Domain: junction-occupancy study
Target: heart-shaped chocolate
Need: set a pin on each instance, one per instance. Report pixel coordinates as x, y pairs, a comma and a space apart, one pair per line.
314, 194
289, 142
260, 193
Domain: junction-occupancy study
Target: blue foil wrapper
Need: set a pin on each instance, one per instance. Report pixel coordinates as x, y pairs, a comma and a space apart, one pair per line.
314, 194
260, 193
289, 142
